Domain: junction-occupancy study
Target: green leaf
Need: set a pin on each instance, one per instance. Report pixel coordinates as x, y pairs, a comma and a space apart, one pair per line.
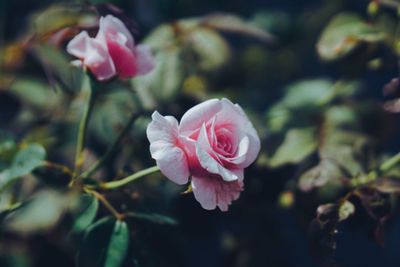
8, 148
165, 80
278, 117
24, 162
301, 105
57, 65
308, 92
105, 243
344, 33
341, 116
161, 37
89, 206
297, 145
35, 93
211, 50
346, 209
118, 245
387, 185
42, 212
341, 146
56, 17
95, 241
111, 114
234, 24
305, 101
326, 171
27, 160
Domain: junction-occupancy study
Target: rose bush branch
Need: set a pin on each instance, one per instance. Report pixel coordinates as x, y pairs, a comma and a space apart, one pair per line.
386, 166
129, 179
112, 147
106, 203
80, 145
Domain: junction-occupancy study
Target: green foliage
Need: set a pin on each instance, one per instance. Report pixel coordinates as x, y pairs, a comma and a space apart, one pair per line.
326, 137
58, 16
326, 171
118, 246
105, 243
344, 34
89, 206
112, 112
166, 79
300, 140
24, 162
310, 118
187, 47
41, 213
209, 48
36, 94
58, 68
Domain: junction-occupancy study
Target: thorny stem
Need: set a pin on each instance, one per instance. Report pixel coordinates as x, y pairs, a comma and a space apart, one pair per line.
83, 128
111, 149
130, 178
106, 203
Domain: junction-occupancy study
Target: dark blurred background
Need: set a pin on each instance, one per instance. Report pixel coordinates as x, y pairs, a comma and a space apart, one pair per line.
257, 230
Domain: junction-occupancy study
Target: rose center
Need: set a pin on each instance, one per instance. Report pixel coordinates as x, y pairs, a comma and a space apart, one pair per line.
224, 143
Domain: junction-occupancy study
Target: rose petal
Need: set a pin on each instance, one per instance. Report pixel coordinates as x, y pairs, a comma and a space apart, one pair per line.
240, 157
111, 27
144, 59
171, 160
124, 59
212, 192
162, 133
193, 119
120, 45
233, 114
79, 45
162, 128
93, 54
207, 159
99, 61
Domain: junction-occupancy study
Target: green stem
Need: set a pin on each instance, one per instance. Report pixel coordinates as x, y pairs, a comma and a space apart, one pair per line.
375, 174
130, 178
106, 203
83, 128
390, 163
111, 149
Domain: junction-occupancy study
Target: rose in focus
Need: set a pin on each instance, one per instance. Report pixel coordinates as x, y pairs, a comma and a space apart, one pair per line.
213, 143
112, 52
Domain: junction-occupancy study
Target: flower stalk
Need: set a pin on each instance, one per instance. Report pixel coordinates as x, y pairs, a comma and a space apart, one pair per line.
130, 178
375, 174
110, 151
106, 203
83, 125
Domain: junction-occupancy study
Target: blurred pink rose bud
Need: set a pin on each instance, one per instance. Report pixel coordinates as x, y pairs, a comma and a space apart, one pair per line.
112, 52
214, 143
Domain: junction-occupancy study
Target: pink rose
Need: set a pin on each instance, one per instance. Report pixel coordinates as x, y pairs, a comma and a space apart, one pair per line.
112, 52
214, 143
